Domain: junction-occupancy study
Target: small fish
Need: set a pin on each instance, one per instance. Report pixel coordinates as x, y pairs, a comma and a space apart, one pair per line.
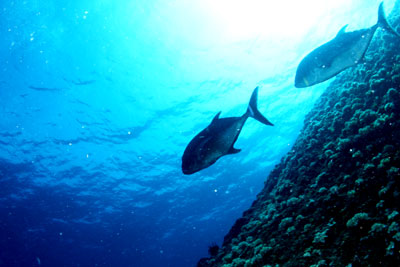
218, 138
345, 50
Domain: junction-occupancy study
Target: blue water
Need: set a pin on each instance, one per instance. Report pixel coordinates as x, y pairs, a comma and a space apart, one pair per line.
98, 100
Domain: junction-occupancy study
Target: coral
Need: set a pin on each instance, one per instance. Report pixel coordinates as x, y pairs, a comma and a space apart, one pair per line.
394, 228
377, 228
213, 250
333, 199
393, 215
320, 237
285, 222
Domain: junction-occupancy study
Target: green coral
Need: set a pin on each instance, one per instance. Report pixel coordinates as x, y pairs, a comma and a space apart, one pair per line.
393, 228
356, 219
397, 237
377, 228
393, 215
344, 165
319, 237
285, 222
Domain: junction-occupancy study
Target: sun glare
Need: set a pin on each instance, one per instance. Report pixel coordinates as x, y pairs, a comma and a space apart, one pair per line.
245, 19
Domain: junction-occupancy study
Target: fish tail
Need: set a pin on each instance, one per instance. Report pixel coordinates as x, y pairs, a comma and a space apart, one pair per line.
252, 110
382, 21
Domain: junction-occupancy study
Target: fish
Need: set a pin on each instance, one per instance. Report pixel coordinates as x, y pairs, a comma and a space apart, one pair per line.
345, 50
218, 138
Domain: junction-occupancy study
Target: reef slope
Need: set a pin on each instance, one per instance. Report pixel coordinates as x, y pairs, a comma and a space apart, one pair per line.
334, 199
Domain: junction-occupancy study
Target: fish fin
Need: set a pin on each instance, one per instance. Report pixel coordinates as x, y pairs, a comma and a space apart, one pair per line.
342, 30
382, 21
253, 112
216, 117
233, 150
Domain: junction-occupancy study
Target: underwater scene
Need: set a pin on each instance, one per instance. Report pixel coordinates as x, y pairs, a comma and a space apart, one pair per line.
200, 133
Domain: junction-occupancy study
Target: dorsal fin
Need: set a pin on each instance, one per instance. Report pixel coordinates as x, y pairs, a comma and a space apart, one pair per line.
342, 30
216, 117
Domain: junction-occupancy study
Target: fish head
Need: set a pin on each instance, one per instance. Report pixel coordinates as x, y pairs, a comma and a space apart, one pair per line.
310, 72
194, 162
189, 166
190, 169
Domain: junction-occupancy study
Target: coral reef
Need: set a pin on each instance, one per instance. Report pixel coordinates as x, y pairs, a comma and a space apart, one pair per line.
334, 198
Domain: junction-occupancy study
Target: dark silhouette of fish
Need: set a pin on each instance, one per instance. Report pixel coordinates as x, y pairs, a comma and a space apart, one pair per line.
345, 50
218, 138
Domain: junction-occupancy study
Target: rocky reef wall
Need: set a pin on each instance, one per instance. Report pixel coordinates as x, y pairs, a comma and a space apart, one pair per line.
334, 199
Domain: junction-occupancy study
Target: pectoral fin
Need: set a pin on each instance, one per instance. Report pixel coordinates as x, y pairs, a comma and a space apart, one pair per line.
234, 150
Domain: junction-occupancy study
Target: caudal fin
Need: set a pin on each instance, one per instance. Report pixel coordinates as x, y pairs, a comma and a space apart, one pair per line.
382, 21
252, 110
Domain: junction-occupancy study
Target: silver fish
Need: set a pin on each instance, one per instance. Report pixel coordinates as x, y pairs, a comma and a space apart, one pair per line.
345, 50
